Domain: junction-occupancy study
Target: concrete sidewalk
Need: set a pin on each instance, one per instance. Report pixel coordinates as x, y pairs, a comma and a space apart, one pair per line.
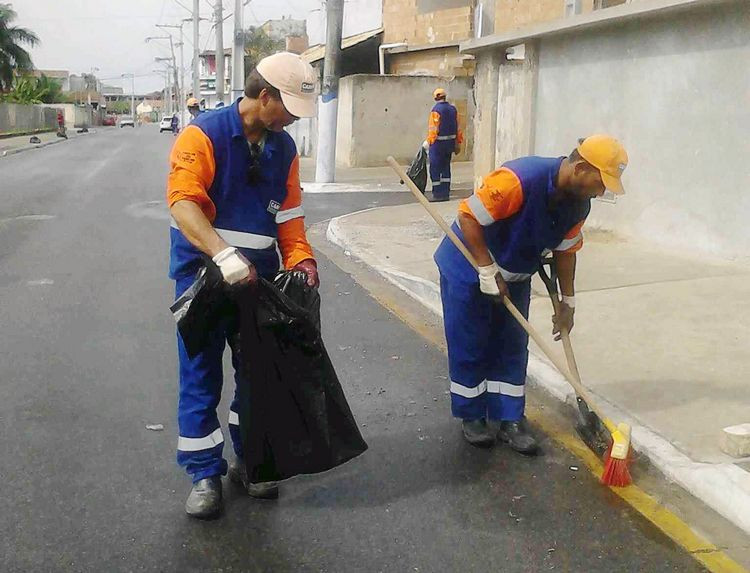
375, 179
660, 339
19, 144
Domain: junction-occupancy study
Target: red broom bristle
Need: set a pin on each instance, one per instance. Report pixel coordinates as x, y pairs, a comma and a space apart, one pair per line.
616, 472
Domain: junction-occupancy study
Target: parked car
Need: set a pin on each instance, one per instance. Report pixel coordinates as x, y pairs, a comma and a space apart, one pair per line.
109, 120
126, 120
165, 124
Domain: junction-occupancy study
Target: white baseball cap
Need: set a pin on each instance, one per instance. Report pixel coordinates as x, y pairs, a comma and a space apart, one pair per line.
295, 80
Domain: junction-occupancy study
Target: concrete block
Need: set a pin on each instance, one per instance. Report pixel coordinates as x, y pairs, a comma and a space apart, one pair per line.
735, 440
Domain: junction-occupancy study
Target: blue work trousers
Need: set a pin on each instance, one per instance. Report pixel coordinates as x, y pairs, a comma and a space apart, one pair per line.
487, 351
201, 441
440, 167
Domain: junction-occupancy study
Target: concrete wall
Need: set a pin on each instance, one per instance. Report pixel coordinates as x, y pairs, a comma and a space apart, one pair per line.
675, 91
387, 115
20, 119
444, 62
75, 115
510, 14
409, 21
674, 88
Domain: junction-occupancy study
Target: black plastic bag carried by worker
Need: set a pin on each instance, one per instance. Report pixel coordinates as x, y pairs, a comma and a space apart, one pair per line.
294, 417
417, 171
200, 308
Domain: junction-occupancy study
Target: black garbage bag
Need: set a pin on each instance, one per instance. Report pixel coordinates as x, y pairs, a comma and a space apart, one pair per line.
294, 417
417, 171
198, 310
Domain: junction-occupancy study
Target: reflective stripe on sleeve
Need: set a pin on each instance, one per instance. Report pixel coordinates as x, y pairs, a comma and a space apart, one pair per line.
480, 211
196, 444
568, 243
289, 214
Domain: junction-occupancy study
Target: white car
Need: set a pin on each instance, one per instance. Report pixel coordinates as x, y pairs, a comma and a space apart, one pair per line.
126, 120
165, 124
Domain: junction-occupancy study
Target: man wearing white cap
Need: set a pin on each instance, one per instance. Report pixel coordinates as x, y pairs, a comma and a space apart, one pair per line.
234, 195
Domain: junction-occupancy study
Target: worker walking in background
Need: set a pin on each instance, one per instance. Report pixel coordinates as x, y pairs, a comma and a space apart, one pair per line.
528, 206
194, 108
444, 139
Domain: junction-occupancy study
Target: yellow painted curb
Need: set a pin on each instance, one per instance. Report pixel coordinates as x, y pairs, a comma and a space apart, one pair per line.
672, 526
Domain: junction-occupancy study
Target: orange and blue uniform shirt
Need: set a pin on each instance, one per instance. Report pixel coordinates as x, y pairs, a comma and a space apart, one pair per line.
513, 206
443, 124
211, 165
487, 349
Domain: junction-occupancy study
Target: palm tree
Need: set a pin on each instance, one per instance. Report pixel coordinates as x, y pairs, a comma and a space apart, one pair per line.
13, 58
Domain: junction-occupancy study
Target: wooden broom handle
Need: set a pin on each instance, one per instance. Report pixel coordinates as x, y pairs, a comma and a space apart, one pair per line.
530, 330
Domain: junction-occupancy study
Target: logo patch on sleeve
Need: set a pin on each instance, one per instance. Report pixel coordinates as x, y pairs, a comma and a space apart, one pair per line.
273, 207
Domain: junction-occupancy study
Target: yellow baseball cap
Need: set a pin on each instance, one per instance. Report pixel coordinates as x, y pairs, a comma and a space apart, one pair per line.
192, 102
609, 156
440, 92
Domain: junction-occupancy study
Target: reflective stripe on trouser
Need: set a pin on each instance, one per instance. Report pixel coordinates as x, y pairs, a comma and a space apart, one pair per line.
201, 441
487, 351
440, 167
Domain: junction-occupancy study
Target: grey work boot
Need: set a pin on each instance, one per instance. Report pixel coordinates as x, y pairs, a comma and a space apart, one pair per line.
238, 474
204, 500
518, 436
477, 433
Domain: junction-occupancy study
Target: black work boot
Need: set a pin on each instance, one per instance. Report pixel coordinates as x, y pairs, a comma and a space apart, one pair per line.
439, 199
518, 436
477, 433
204, 501
238, 474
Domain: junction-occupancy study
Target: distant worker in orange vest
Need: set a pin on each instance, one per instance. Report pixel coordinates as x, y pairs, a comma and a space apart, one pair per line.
444, 139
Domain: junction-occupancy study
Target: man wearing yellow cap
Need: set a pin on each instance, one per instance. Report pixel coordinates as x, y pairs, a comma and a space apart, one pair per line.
444, 139
527, 207
194, 108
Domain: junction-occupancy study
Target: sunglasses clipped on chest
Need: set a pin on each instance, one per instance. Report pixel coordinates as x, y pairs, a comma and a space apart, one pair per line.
254, 174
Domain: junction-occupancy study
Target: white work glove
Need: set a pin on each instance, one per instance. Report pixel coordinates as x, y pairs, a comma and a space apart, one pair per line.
425, 145
490, 281
233, 266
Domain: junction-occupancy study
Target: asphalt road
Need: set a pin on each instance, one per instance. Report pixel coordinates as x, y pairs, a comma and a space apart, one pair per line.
87, 359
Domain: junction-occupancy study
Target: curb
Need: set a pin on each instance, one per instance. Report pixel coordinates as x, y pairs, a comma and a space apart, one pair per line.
723, 487
17, 150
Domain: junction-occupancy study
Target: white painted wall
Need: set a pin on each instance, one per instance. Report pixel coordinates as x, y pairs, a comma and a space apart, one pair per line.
676, 91
359, 16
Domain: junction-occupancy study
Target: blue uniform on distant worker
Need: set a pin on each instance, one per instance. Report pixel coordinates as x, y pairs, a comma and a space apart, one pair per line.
444, 138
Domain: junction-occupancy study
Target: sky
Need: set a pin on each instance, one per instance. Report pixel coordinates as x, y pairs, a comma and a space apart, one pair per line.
80, 35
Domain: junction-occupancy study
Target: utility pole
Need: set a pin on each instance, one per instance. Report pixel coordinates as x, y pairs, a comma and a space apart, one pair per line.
181, 86
325, 163
196, 51
132, 93
219, 17
238, 52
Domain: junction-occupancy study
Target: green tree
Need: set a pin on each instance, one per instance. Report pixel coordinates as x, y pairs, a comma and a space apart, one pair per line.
13, 57
50, 91
258, 45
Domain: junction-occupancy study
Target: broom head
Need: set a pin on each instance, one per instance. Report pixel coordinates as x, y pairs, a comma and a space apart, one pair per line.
617, 459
